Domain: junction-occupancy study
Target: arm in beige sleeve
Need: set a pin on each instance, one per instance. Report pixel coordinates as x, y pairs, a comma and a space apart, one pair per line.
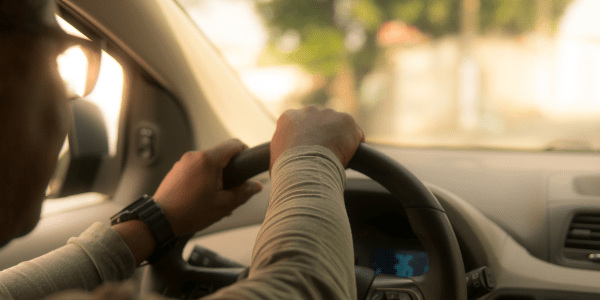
304, 248
98, 255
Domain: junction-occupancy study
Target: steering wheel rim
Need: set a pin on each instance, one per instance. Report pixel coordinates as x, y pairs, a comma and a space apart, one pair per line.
445, 278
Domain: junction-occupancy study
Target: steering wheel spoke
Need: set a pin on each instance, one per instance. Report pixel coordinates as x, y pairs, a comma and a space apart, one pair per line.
386, 287
382, 286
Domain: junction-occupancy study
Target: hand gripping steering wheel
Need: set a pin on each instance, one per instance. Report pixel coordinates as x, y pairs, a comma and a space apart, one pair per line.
445, 278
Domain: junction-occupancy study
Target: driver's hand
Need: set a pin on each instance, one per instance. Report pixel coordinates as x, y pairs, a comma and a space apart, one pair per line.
314, 125
192, 194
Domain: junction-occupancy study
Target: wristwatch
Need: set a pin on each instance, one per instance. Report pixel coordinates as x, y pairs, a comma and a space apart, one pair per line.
147, 211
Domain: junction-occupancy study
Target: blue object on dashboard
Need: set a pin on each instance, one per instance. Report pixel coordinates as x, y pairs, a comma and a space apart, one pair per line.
400, 263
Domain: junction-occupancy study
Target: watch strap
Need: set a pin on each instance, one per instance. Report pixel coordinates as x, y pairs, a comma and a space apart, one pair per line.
146, 210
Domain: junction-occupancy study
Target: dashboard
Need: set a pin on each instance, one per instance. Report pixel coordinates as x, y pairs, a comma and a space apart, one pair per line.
383, 239
382, 236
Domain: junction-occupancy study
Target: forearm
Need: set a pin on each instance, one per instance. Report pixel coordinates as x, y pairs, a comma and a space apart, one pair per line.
97, 256
304, 248
138, 239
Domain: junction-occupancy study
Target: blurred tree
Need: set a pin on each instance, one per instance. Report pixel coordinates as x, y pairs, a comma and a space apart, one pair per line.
337, 39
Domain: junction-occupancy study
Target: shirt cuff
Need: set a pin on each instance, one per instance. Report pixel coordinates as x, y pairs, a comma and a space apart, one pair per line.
111, 256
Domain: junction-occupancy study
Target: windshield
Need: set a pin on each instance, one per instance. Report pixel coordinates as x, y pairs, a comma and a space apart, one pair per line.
497, 74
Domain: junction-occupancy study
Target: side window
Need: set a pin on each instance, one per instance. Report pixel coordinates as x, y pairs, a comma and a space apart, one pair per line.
106, 100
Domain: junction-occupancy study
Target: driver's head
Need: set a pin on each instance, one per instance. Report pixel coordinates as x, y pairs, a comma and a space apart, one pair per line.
34, 113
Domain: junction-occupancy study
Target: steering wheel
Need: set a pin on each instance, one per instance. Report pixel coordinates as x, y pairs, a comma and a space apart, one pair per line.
445, 278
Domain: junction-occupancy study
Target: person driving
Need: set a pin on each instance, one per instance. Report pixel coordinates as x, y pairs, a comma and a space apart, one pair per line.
304, 247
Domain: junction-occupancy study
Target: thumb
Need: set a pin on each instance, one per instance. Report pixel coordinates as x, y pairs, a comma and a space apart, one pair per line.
234, 197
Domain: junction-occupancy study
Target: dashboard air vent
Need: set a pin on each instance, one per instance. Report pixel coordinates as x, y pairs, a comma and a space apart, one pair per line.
584, 232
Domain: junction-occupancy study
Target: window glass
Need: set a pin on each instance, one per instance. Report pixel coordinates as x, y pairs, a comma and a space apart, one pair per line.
107, 93
107, 96
497, 74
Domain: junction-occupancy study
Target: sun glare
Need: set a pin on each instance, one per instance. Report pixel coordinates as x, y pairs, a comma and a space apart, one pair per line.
68, 28
72, 66
107, 93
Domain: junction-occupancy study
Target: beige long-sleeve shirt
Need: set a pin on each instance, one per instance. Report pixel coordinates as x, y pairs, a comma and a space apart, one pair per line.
303, 250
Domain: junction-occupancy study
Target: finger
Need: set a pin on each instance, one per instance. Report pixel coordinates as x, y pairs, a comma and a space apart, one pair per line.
232, 198
223, 152
362, 135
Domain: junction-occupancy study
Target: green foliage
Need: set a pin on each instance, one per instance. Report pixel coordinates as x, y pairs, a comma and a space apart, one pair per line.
438, 12
322, 48
439, 17
509, 16
558, 8
321, 51
296, 14
368, 14
408, 11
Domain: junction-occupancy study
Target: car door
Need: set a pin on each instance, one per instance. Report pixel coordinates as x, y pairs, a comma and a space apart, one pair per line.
126, 136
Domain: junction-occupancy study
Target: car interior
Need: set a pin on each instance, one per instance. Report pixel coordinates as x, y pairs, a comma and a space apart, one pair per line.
514, 224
